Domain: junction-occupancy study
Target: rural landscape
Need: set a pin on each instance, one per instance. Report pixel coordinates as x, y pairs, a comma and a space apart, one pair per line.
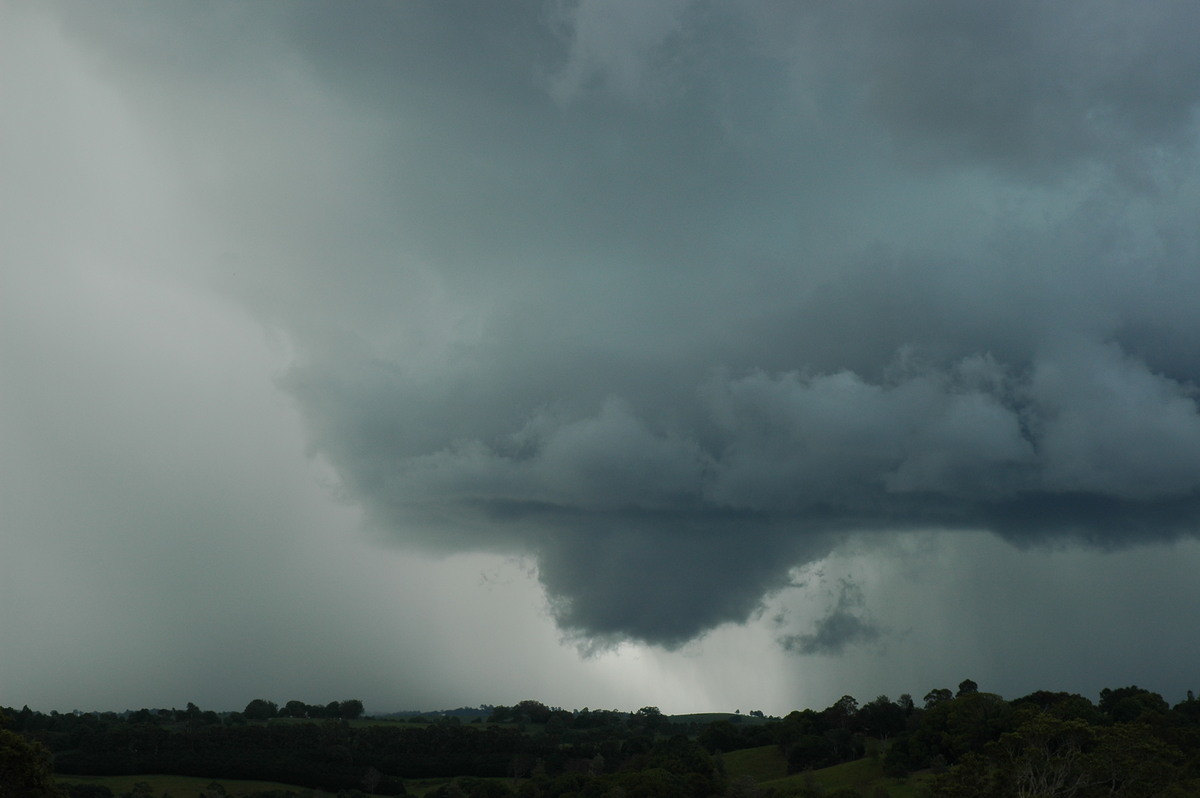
659, 398
949, 744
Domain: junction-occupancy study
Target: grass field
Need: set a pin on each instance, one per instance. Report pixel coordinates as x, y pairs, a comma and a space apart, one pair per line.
186, 786
420, 787
767, 766
761, 764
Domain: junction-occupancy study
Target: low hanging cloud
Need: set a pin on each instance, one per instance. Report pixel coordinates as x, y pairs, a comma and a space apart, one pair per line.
651, 528
845, 624
677, 312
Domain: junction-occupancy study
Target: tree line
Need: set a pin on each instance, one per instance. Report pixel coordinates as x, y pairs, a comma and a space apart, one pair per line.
1130, 743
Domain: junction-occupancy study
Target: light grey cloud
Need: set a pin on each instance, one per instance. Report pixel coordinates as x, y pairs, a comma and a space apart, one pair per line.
846, 623
614, 43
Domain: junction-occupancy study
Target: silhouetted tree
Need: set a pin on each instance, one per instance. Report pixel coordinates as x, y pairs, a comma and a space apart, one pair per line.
25, 768
259, 709
881, 718
294, 709
936, 696
1126, 704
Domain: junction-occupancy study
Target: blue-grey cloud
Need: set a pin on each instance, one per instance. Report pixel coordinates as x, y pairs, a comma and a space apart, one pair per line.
1034, 88
676, 311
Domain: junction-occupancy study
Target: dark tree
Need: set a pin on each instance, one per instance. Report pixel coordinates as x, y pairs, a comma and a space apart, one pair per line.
952, 728
936, 696
1067, 706
843, 713
881, 718
258, 709
1127, 704
1049, 756
143, 716
650, 718
294, 709
531, 711
24, 768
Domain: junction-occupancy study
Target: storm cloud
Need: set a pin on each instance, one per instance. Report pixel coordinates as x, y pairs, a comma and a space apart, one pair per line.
675, 297
727, 283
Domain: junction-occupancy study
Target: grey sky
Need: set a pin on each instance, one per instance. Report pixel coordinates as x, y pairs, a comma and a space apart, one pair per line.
617, 321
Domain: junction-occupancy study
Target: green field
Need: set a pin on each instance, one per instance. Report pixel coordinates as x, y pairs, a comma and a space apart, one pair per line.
420, 787
767, 766
185, 786
765, 763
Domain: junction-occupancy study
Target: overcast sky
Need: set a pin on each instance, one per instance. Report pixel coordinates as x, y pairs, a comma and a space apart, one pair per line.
713, 356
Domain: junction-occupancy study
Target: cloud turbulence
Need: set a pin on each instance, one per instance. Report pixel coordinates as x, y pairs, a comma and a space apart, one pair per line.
704, 388
675, 297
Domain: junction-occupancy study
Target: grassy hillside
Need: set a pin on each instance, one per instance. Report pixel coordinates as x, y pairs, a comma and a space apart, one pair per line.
765, 763
767, 766
705, 718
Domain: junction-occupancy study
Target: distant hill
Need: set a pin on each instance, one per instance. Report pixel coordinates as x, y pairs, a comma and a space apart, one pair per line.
465, 714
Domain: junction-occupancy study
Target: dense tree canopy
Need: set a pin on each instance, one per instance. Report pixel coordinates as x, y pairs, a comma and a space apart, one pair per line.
1132, 743
24, 768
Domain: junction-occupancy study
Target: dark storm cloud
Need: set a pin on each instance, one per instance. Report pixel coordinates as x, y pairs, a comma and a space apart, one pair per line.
654, 530
674, 297
651, 575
